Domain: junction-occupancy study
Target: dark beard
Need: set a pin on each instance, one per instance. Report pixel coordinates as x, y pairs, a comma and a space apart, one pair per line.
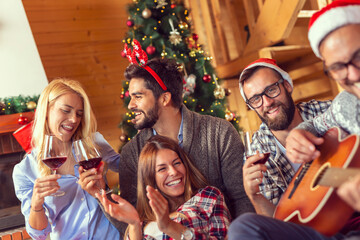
286, 116
150, 118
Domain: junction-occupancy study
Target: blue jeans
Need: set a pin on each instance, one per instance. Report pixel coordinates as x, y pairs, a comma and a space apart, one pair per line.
255, 227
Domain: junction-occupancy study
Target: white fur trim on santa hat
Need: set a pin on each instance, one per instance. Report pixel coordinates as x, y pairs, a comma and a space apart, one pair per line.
331, 20
283, 74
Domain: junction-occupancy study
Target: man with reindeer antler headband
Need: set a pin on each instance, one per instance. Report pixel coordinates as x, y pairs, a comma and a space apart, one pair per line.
212, 144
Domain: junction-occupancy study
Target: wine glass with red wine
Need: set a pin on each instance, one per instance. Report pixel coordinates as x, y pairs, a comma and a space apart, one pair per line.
54, 156
87, 157
247, 139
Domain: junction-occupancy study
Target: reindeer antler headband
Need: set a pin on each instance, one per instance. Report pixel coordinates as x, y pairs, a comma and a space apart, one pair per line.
141, 55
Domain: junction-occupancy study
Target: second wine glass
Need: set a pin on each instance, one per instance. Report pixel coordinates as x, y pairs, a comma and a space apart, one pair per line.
87, 157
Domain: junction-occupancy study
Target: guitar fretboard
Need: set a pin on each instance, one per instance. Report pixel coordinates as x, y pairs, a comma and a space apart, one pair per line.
334, 177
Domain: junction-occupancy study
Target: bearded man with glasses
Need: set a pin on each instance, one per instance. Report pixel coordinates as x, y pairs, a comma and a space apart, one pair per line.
266, 89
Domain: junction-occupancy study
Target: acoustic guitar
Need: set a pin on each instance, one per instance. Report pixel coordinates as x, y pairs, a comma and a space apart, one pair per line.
311, 197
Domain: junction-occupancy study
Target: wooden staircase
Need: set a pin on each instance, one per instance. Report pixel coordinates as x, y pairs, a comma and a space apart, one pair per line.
237, 32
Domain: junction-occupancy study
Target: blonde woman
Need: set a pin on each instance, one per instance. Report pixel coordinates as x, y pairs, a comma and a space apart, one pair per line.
173, 199
64, 111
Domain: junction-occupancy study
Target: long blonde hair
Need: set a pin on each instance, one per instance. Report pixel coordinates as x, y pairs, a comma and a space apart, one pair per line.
50, 94
146, 174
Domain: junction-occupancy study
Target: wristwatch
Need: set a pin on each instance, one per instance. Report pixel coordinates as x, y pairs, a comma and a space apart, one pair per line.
187, 234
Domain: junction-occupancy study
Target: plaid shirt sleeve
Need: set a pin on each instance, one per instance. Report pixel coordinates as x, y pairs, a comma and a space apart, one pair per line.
207, 214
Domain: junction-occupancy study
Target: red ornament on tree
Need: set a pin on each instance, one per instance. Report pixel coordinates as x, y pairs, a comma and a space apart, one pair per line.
173, 5
23, 120
130, 23
150, 50
195, 36
127, 94
206, 78
122, 96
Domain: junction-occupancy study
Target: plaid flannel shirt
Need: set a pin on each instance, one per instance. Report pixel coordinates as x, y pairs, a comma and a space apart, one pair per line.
205, 213
280, 170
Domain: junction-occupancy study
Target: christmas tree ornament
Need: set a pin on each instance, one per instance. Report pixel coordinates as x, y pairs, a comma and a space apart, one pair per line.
192, 53
163, 53
180, 67
23, 120
227, 92
150, 50
146, 13
123, 138
130, 23
195, 37
206, 78
229, 116
219, 92
189, 84
183, 25
127, 94
174, 37
122, 96
31, 105
173, 5
161, 3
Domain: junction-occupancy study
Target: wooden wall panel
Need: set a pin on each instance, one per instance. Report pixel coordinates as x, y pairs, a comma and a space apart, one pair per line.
82, 40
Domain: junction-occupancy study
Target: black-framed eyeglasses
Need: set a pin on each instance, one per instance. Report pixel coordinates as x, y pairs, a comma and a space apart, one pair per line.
339, 71
271, 91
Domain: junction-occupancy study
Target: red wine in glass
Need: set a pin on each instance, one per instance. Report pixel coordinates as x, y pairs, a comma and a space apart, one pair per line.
54, 162
264, 159
90, 163
54, 156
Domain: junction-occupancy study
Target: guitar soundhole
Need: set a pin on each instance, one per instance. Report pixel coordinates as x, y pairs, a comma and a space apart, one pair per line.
320, 174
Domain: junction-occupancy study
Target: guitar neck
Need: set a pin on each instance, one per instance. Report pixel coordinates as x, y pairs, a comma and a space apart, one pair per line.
334, 177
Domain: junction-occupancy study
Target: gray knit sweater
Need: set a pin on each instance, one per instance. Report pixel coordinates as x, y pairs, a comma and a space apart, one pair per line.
344, 112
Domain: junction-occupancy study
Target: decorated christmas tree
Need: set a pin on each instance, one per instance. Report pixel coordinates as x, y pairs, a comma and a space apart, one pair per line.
163, 28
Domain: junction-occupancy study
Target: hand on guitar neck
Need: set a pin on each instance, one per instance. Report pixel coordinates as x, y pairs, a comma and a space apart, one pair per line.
301, 146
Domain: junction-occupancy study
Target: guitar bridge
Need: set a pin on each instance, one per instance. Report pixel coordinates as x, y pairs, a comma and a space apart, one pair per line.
298, 179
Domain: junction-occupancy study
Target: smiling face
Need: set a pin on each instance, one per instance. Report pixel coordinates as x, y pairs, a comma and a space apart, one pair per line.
170, 174
143, 104
277, 112
339, 47
64, 115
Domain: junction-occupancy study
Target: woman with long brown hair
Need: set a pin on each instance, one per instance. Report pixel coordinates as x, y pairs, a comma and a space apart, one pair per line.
173, 198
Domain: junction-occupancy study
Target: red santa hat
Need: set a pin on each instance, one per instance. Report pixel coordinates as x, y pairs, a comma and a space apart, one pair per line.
335, 15
264, 62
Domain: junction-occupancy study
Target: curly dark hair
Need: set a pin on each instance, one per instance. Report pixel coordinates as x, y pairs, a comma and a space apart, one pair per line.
167, 70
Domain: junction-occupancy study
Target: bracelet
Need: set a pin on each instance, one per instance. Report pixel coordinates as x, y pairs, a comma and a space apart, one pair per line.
37, 210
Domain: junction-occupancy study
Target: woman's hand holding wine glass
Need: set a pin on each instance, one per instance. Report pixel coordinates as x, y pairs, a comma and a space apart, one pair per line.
91, 167
55, 154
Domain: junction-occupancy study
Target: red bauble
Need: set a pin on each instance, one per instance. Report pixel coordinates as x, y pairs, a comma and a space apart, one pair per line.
195, 36
123, 54
130, 23
206, 78
173, 5
122, 96
150, 50
127, 94
23, 120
